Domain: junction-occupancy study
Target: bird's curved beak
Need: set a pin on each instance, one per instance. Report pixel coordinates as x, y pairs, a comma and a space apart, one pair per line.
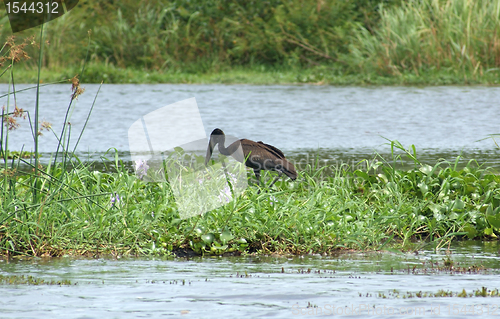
211, 145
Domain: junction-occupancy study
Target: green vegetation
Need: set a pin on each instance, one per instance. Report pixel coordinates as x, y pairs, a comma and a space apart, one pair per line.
30, 280
272, 42
17, 154
320, 75
88, 212
433, 35
482, 292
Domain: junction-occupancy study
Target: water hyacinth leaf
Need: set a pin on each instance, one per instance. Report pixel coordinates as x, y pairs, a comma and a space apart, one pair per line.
198, 246
473, 214
198, 231
438, 216
215, 248
426, 169
445, 186
483, 208
489, 210
481, 222
487, 196
494, 220
242, 241
200, 160
383, 178
422, 218
361, 174
471, 231
179, 150
208, 238
376, 165
458, 205
456, 185
226, 236
423, 188
496, 210
489, 232
175, 221
495, 201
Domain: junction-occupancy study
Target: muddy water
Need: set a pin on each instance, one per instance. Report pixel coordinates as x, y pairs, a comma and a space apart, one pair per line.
362, 285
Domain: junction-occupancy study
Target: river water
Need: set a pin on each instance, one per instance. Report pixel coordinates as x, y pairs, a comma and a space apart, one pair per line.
340, 124
359, 285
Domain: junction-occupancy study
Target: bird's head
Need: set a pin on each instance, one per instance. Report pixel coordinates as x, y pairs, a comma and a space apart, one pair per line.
217, 136
217, 131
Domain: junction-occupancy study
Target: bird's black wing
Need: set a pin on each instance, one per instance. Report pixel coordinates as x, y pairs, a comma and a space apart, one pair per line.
276, 151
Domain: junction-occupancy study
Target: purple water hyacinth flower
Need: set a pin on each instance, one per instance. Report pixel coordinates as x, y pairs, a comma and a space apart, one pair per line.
141, 168
115, 199
225, 195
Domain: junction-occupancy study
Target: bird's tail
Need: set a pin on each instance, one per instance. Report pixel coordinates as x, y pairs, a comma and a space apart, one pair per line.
288, 169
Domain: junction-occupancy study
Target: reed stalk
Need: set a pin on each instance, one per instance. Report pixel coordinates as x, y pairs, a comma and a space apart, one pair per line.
37, 104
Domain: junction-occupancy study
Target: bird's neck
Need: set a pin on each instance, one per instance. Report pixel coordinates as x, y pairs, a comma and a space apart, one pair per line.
229, 150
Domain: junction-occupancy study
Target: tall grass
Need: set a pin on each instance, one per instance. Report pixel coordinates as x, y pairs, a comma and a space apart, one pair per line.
27, 187
196, 36
207, 34
462, 36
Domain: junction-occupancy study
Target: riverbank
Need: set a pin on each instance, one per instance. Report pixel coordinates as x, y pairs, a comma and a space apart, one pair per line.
372, 42
259, 75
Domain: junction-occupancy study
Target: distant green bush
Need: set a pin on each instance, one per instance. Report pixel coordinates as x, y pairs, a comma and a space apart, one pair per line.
418, 42
200, 35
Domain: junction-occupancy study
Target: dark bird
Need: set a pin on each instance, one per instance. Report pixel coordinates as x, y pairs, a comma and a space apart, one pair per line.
256, 155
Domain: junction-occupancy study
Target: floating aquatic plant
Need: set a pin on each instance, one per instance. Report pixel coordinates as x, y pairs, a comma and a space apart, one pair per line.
115, 199
141, 168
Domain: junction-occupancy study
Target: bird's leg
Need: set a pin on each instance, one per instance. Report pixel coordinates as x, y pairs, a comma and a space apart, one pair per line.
257, 175
277, 177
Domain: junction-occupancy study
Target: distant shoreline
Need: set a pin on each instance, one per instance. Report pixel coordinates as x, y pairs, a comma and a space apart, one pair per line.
256, 75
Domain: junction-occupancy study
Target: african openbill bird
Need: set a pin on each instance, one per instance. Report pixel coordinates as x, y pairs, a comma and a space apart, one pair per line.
256, 155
